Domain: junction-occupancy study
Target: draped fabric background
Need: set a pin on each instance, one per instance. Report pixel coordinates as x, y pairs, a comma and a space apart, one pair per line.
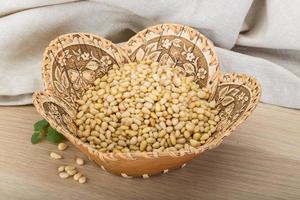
260, 38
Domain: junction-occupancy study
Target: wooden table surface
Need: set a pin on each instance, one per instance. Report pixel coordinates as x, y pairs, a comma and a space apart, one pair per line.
260, 160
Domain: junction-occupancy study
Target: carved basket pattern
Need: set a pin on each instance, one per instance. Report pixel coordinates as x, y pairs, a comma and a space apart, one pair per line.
73, 61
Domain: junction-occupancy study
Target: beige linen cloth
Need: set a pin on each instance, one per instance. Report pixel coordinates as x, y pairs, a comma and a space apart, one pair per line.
260, 38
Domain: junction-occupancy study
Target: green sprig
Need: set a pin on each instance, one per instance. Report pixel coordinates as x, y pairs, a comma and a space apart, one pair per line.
42, 129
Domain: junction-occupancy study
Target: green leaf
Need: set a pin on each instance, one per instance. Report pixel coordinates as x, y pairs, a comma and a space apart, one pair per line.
39, 125
54, 136
36, 137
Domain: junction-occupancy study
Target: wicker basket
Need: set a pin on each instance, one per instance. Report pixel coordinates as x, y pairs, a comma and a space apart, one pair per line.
73, 61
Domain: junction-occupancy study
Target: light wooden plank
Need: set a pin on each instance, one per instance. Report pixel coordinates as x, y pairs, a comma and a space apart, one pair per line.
261, 160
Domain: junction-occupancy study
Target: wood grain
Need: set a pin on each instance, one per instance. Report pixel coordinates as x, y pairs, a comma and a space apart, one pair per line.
260, 160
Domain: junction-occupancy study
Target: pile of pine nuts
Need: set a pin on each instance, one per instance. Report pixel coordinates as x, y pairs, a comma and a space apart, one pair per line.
143, 106
68, 171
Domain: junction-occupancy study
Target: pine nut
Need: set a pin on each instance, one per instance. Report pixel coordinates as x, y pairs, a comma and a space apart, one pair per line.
77, 176
55, 156
62, 146
63, 175
80, 161
61, 168
82, 180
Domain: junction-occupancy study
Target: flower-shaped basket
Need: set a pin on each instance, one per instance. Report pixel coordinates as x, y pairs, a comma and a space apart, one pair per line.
73, 61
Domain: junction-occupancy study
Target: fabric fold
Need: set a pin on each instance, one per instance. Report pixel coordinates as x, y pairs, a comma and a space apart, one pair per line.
260, 38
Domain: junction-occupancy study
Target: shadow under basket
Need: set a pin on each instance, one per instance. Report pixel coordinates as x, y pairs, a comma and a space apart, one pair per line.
72, 62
